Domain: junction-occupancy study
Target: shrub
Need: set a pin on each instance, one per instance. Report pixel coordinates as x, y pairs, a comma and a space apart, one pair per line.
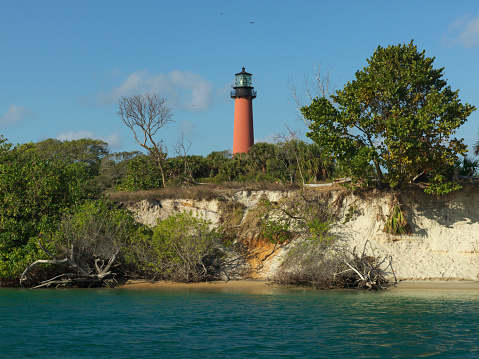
183, 248
96, 230
396, 223
310, 263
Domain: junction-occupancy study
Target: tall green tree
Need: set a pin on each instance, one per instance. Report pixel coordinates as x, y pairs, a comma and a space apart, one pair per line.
259, 155
398, 113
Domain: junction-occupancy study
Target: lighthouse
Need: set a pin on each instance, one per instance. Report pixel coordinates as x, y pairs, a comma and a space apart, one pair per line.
243, 92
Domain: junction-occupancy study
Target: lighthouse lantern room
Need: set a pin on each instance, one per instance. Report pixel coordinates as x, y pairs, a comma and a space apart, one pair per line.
243, 93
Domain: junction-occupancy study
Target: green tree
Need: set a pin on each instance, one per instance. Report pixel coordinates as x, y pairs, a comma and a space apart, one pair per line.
259, 155
188, 167
316, 166
142, 174
287, 152
113, 168
216, 160
234, 169
33, 194
466, 166
398, 114
476, 148
84, 150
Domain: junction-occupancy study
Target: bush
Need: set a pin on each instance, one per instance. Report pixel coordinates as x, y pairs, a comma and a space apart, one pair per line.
183, 248
96, 230
439, 185
88, 244
310, 263
142, 174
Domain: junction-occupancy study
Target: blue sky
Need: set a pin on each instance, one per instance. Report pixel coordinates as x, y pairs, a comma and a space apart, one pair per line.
65, 64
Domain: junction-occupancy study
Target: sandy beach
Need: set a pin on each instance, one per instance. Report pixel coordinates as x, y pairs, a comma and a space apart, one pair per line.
266, 286
235, 285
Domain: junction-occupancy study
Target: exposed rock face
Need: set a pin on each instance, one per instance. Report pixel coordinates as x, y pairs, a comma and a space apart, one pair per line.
444, 243
150, 211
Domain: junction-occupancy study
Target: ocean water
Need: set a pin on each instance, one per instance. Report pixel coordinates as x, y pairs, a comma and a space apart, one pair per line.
211, 323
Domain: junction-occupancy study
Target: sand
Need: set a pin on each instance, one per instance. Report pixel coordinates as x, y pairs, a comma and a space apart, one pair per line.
233, 285
263, 286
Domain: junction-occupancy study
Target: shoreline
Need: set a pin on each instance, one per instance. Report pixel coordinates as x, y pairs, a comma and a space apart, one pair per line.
264, 285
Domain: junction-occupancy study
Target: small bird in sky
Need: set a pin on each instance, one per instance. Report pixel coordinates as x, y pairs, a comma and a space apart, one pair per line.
251, 22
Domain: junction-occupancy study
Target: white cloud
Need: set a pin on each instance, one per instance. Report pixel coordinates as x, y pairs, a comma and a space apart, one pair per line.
182, 89
188, 128
464, 31
114, 141
15, 114
268, 138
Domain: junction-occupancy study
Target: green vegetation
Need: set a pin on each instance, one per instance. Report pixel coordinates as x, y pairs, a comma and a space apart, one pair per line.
182, 248
318, 259
96, 230
34, 191
290, 162
396, 223
398, 115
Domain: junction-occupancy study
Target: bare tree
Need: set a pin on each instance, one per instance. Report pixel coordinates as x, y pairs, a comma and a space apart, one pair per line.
317, 85
145, 115
289, 152
181, 150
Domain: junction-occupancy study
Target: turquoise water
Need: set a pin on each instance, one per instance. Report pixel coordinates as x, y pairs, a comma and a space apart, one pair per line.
274, 323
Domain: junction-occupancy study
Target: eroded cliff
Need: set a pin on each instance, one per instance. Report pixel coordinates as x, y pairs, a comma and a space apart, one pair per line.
443, 243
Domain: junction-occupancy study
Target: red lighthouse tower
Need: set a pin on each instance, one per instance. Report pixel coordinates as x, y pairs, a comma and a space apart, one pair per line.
243, 93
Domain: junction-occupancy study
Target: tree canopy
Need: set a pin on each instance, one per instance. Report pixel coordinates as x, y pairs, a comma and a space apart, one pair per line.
33, 193
398, 114
84, 150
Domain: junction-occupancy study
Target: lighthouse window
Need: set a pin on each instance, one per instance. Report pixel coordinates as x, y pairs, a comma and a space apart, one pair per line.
243, 81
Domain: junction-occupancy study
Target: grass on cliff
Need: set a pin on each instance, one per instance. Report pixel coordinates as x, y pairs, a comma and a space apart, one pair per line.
207, 191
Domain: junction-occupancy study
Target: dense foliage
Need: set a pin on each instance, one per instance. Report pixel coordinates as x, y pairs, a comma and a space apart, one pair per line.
33, 193
182, 248
95, 230
398, 114
47, 188
291, 161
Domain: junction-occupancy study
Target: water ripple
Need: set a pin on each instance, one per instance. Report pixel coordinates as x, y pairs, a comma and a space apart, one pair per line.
286, 324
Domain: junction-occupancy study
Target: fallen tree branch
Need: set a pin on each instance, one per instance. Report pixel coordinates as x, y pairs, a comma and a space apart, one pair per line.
23, 276
82, 276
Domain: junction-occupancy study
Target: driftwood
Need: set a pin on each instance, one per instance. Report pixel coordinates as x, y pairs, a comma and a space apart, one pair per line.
369, 272
79, 275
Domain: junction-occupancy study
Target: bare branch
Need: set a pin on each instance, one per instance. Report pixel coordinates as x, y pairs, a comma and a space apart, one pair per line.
145, 115
23, 276
317, 86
